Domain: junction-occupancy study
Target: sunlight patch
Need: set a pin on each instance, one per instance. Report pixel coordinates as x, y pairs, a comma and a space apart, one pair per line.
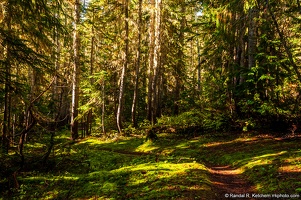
146, 147
36, 145
294, 160
271, 155
227, 171
51, 194
263, 159
290, 169
246, 139
159, 173
257, 162
94, 141
183, 146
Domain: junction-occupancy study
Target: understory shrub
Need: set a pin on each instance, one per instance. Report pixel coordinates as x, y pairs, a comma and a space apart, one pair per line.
195, 121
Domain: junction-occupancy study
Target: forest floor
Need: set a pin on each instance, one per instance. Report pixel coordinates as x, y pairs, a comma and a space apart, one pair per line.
227, 181
211, 166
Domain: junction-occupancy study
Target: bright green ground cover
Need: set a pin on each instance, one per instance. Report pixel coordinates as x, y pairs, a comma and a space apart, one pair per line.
172, 167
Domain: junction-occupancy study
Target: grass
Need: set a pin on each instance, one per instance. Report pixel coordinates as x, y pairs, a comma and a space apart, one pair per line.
172, 167
272, 164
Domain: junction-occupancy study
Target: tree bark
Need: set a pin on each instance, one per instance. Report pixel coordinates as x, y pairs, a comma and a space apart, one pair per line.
156, 62
124, 68
151, 60
76, 72
180, 63
252, 39
199, 65
7, 82
90, 114
154, 66
103, 109
135, 97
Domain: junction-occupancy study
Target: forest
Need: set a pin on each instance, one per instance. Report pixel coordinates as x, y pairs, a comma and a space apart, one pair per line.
150, 99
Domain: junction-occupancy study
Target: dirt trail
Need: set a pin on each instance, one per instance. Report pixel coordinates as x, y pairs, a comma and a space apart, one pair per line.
229, 183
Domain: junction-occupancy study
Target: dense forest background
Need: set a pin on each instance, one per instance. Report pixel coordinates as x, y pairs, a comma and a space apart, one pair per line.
108, 68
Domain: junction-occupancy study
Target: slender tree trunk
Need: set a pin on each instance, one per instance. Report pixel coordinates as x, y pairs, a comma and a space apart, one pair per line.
89, 117
103, 109
238, 77
199, 64
7, 82
241, 52
252, 39
180, 63
135, 97
76, 72
124, 68
7, 105
151, 60
55, 96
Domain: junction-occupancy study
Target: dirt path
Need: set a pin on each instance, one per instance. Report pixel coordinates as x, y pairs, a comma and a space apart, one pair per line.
229, 183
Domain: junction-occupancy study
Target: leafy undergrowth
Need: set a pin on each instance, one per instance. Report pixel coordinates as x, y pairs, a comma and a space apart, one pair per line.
172, 167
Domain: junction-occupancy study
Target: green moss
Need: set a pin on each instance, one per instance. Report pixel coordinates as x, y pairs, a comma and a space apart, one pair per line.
168, 168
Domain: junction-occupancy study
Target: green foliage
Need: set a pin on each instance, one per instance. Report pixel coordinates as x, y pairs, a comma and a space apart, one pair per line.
209, 120
186, 119
130, 130
216, 121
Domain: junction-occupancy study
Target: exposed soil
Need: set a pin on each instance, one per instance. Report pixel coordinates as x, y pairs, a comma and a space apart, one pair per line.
229, 183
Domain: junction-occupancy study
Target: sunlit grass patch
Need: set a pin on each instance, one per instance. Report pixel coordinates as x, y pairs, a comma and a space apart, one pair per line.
271, 165
146, 147
264, 159
237, 140
293, 160
168, 168
158, 180
290, 169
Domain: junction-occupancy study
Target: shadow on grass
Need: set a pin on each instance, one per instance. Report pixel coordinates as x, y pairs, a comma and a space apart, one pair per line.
170, 167
272, 164
125, 169
152, 181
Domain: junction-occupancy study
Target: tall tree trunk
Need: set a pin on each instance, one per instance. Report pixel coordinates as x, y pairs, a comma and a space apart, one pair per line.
7, 82
151, 60
103, 109
199, 65
156, 62
124, 68
135, 97
89, 117
180, 63
7, 105
76, 71
52, 127
238, 77
252, 39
